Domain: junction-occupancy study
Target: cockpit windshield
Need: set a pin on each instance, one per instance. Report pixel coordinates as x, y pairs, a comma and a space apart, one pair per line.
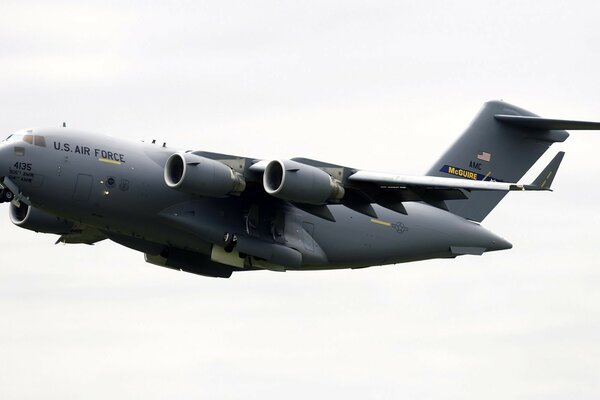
27, 137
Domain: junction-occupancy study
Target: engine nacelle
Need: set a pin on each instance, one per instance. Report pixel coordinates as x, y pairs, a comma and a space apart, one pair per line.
301, 183
202, 176
37, 220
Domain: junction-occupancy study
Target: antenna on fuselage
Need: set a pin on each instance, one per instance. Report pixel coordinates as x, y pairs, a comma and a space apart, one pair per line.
64, 124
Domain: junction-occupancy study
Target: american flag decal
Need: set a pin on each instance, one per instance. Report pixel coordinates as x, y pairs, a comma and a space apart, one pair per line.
484, 156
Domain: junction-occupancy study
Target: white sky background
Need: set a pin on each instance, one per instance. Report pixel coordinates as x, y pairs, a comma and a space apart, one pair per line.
384, 86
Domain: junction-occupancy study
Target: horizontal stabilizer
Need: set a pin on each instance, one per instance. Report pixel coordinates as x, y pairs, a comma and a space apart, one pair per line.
546, 124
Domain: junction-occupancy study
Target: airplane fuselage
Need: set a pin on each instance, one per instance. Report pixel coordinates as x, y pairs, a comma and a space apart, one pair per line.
117, 187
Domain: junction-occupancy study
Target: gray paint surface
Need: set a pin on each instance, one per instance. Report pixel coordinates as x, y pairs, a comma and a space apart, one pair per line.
119, 188
98, 322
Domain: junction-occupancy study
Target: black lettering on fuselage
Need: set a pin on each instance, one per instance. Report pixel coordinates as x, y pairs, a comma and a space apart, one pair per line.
104, 154
476, 165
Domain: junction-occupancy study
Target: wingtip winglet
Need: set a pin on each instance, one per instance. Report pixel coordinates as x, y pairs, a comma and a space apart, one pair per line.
545, 178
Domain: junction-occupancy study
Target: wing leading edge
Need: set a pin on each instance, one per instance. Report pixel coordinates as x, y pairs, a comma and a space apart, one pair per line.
364, 188
542, 182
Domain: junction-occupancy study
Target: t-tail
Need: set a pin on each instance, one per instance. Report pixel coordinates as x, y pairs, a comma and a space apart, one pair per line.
501, 144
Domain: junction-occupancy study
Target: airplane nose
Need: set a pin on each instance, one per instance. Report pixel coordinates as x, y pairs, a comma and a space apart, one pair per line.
6, 154
3, 159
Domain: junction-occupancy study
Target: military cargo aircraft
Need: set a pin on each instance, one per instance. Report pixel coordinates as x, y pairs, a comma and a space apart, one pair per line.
215, 214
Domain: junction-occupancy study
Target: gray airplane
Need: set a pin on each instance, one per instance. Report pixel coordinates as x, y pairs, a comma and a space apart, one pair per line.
214, 214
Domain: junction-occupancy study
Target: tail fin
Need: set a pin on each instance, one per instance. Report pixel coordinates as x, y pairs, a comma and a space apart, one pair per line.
501, 144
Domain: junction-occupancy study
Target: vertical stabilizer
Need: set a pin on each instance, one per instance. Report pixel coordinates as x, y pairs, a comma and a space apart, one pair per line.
501, 144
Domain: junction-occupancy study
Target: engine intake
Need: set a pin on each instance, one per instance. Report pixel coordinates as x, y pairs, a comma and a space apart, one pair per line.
301, 183
202, 176
34, 219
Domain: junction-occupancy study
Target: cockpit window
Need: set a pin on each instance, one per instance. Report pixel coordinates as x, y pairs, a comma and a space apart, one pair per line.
39, 140
27, 138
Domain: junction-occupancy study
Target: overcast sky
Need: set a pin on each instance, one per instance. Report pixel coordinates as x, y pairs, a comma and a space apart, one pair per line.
378, 85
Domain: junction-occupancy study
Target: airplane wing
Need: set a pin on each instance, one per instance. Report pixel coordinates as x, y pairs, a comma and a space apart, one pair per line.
431, 182
542, 182
391, 180
364, 188
311, 185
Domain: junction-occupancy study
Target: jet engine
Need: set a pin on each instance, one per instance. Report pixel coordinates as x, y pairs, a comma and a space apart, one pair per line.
301, 183
202, 176
37, 220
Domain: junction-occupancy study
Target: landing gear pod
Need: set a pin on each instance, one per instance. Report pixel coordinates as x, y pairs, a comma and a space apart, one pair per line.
201, 176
